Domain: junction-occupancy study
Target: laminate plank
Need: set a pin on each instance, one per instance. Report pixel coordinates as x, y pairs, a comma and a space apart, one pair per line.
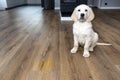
16, 60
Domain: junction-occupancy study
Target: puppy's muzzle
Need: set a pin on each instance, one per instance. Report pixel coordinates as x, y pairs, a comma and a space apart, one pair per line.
82, 16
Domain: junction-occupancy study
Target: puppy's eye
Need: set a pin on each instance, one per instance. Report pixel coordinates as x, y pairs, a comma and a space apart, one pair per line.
86, 10
79, 10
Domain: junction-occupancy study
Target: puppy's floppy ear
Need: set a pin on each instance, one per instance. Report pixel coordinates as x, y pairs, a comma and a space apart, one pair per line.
74, 16
90, 15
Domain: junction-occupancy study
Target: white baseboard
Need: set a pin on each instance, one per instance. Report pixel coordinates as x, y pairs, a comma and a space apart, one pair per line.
57, 8
66, 19
2, 8
109, 7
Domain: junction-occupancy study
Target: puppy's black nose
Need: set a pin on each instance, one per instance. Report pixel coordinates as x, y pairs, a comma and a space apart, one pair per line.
82, 15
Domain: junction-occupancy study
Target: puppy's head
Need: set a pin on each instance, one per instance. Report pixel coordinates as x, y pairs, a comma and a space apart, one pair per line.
82, 13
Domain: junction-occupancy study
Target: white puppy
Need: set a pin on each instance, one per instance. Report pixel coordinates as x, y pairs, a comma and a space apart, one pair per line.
82, 30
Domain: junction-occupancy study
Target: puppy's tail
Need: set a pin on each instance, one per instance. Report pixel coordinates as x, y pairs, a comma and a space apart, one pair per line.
105, 44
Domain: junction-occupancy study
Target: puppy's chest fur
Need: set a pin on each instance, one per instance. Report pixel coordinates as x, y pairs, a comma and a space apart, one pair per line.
82, 31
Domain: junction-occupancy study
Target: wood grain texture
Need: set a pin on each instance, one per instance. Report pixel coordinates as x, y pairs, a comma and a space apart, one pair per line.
35, 45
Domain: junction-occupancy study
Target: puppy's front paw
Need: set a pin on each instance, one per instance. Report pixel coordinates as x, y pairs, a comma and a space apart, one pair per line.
86, 54
73, 50
91, 49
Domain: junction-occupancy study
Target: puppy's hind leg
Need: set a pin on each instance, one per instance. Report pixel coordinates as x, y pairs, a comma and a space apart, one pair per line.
75, 48
94, 42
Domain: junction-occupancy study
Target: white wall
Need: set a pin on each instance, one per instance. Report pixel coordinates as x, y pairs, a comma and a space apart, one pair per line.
34, 1
12, 3
110, 4
3, 4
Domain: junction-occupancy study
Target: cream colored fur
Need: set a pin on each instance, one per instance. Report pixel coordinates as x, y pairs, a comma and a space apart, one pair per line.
82, 30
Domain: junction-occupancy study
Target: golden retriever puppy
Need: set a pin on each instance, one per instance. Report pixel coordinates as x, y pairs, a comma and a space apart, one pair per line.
82, 30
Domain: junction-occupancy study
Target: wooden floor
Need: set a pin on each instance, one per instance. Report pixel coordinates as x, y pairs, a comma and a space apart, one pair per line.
35, 45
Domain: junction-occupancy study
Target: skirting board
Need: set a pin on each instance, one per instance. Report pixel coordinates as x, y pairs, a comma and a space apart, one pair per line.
65, 18
57, 8
2, 9
109, 7
15, 6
